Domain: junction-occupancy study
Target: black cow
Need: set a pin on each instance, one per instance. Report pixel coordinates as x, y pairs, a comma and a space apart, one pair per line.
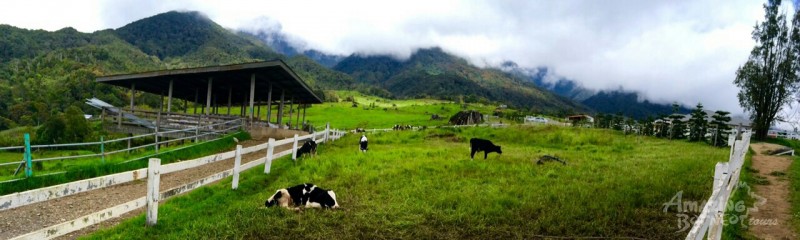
310, 147
486, 146
304, 195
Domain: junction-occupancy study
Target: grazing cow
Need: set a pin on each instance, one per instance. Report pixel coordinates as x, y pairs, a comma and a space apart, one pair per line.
363, 143
310, 147
478, 145
304, 195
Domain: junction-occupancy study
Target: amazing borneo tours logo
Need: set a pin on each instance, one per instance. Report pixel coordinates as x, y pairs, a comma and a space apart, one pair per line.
736, 212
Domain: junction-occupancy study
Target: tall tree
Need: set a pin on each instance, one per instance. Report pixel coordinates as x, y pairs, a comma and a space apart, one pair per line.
769, 77
698, 124
677, 129
719, 135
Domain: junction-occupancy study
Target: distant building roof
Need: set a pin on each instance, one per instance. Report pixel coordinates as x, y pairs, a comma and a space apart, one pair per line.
188, 82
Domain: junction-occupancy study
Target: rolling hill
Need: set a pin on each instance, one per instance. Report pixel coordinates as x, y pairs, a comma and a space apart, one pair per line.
433, 73
42, 73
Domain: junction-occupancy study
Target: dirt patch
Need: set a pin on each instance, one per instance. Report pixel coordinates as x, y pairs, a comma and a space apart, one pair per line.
25, 219
772, 220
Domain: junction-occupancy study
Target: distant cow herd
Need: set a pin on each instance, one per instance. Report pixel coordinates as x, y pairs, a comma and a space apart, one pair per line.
310, 196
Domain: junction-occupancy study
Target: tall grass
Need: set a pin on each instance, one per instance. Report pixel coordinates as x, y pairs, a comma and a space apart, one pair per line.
422, 185
96, 168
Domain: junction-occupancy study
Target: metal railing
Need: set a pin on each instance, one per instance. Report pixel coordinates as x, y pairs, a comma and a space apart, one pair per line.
197, 133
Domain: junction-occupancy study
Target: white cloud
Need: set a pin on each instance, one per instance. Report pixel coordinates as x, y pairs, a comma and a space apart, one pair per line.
670, 50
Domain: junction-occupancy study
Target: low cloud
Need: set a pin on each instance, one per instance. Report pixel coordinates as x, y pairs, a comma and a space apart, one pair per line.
685, 51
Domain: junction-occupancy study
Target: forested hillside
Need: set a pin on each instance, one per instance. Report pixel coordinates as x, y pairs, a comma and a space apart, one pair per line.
434, 73
42, 73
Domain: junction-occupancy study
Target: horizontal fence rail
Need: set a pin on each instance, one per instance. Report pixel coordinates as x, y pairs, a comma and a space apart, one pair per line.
726, 177
44, 194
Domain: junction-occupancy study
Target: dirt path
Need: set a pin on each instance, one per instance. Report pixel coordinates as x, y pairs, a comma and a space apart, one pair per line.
772, 220
25, 219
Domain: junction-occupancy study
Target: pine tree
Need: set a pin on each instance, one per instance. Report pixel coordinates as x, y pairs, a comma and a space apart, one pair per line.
677, 129
698, 124
719, 135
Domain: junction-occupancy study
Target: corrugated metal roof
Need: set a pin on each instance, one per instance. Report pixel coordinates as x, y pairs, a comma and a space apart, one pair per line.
188, 82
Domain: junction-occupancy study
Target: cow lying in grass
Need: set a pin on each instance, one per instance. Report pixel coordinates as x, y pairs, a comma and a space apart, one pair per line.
486, 146
304, 195
310, 147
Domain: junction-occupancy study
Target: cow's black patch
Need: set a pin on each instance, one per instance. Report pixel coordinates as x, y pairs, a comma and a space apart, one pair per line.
310, 147
482, 145
323, 197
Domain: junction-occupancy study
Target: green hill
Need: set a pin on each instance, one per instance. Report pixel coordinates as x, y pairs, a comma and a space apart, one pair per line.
434, 73
42, 73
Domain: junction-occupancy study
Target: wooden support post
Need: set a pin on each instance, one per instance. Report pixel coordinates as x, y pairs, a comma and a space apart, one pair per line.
291, 110
169, 96
153, 182
252, 94
208, 96
185, 106
236, 165
133, 92
294, 148
258, 112
270, 150
297, 122
269, 104
304, 115
230, 93
280, 109
196, 98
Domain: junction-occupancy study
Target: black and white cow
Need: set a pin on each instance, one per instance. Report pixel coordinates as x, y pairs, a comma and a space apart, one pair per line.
362, 144
310, 147
486, 146
304, 195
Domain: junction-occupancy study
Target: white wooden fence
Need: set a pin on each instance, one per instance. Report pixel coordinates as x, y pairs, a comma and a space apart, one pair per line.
726, 177
152, 173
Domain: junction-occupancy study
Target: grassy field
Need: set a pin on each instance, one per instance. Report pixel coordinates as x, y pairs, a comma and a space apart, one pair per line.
373, 112
422, 185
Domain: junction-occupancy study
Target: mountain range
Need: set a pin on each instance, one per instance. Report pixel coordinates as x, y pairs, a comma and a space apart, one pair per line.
42, 73
379, 69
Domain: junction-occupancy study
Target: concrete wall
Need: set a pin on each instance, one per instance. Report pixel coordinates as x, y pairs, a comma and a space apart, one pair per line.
265, 133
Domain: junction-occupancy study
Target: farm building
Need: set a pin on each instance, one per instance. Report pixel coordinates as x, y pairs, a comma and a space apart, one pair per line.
217, 89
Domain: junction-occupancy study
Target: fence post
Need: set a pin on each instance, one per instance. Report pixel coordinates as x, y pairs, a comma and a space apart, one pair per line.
270, 149
102, 149
153, 182
197, 129
327, 131
156, 136
236, 164
718, 209
27, 155
294, 148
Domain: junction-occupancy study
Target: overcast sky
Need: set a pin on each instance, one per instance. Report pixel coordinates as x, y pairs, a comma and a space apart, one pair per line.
685, 51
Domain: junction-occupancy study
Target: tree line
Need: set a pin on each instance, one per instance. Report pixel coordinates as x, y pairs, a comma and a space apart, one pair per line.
673, 126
